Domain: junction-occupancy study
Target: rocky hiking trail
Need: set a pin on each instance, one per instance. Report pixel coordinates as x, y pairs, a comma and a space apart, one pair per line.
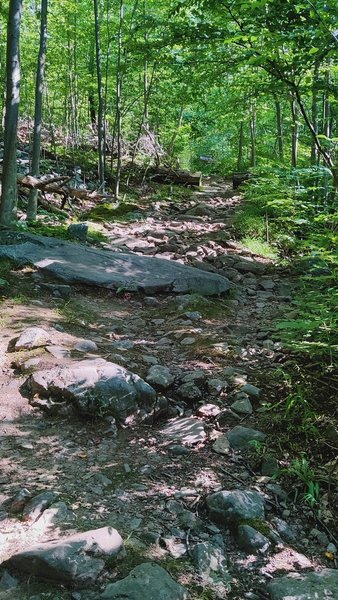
136, 461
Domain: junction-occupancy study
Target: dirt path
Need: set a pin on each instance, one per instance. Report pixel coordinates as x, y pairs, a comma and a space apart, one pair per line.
135, 478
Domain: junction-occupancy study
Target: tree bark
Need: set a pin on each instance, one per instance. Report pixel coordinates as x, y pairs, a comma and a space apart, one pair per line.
119, 100
279, 123
294, 133
9, 187
253, 158
326, 125
40, 76
100, 132
240, 146
328, 160
314, 115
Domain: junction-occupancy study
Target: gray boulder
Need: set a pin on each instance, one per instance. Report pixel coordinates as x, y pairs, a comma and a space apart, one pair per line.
321, 585
93, 387
232, 506
112, 270
251, 540
78, 231
32, 337
77, 559
160, 377
85, 346
242, 437
147, 581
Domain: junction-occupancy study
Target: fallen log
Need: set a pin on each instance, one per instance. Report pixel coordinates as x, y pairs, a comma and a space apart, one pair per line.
57, 185
178, 177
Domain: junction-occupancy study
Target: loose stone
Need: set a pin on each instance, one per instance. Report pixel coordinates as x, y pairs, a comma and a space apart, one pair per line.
232, 506
160, 377
32, 337
251, 540
147, 581
243, 437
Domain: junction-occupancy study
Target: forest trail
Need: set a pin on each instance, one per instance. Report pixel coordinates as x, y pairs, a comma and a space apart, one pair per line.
153, 480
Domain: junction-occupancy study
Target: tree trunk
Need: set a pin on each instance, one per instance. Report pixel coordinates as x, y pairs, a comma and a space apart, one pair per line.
100, 132
119, 101
279, 123
294, 133
91, 100
253, 159
240, 146
328, 160
176, 132
314, 115
2, 78
326, 125
9, 186
40, 76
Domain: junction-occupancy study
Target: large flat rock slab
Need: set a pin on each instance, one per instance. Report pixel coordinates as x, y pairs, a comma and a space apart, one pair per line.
74, 263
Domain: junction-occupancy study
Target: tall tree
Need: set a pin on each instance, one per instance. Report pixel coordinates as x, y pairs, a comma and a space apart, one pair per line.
119, 80
100, 128
279, 123
9, 186
40, 77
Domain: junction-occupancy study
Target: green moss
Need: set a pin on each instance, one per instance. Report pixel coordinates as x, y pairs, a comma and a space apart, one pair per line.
108, 212
257, 524
59, 231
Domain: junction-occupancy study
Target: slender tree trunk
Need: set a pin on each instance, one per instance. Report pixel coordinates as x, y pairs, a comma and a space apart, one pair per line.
314, 115
9, 186
71, 120
100, 132
176, 132
143, 124
119, 101
253, 159
145, 74
40, 76
240, 146
91, 99
326, 125
328, 160
294, 133
76, 80
2, 78
279, 123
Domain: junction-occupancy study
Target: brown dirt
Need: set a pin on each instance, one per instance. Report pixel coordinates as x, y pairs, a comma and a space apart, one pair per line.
40, 452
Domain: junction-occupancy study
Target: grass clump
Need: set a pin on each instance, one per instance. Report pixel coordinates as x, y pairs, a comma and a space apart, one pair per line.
108, 212
260, 248
74, 312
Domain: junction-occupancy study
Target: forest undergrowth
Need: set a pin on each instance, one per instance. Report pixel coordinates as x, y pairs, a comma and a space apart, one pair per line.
294, 216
